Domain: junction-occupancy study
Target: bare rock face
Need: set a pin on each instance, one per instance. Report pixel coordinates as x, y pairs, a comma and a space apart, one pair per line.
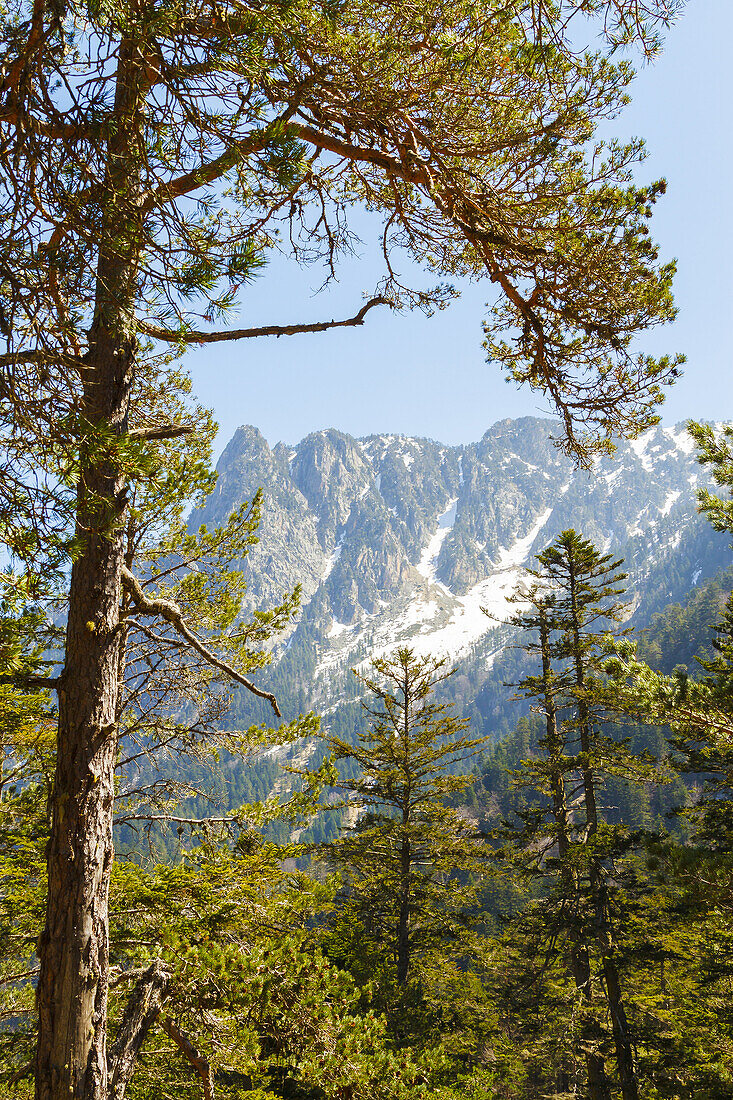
509, 478
401, 540
331, 472
289, 551
372, 566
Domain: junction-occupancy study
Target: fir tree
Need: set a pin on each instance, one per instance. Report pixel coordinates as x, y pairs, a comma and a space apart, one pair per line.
574, 597
404, 858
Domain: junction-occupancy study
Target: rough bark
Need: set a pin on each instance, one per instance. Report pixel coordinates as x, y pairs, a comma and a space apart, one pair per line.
72, 992
71, 1059
142, 1010
192, 1055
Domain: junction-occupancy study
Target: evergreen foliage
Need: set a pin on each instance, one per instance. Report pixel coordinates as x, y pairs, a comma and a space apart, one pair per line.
409, 861
153, 156
411, 865
235, 971
563, 839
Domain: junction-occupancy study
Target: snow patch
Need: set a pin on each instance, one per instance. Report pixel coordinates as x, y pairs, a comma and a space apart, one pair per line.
332, 559
467, 622
419, 612
636, 528
666, 508
639, 447
338, 628
517, 554
682, 440
429, 557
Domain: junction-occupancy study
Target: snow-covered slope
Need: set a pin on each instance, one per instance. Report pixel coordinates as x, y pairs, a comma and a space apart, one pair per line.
408, 541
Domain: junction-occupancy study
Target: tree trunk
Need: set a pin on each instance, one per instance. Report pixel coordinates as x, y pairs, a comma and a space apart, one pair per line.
71, 1060
555, 750
72, 990
585, 722
598, 1085
622, 1042
619, 1023
403, 923
598, 1088
403, 919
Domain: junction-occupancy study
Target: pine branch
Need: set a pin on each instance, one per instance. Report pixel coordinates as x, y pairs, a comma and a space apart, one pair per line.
31, 682
171, 613
194, 337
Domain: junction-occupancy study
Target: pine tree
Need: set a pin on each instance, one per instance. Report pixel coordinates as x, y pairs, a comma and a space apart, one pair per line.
694, 873
172, 703
153, 154
698, 708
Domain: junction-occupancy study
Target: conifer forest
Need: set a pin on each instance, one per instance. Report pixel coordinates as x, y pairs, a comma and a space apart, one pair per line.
371, 769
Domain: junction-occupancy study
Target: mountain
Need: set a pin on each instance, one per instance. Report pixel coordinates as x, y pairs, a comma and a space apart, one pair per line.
403, 540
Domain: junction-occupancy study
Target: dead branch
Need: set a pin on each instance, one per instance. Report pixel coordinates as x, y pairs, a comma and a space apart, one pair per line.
230, 820
10, 978
192, 1055
141, 1011
165, 431
192, 337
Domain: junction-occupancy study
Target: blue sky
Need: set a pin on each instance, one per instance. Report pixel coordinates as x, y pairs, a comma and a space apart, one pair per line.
429, 377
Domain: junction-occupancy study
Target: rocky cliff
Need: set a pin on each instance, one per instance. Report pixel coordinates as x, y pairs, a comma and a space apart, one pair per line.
403, 540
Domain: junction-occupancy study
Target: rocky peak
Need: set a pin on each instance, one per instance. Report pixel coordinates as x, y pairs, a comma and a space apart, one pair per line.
331, 472
288, 551
404, 540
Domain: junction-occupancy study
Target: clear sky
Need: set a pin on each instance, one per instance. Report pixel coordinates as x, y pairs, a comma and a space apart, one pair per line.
419, 376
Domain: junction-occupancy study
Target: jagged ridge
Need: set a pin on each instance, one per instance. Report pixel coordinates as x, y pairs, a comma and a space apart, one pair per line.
397, 539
